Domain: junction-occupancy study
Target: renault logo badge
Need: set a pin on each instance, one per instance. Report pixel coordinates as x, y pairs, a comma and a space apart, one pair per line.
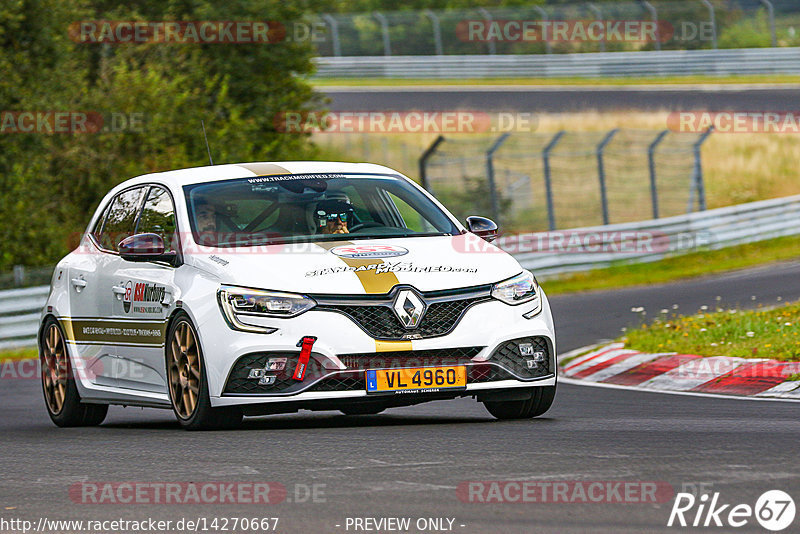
409, 308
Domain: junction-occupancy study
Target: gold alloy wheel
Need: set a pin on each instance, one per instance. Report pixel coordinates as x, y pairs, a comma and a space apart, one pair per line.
184, 370
54, 369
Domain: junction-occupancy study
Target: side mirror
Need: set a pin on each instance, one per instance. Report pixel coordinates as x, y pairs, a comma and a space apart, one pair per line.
145, 247
482, 227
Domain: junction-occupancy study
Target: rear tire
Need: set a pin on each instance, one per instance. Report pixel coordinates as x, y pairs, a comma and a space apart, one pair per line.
188, 384
61, 395
540, 401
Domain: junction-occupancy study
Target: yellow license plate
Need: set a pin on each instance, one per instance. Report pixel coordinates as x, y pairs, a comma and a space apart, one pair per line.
416, 380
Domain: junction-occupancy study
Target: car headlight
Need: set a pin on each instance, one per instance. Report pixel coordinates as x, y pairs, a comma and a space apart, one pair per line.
238, 303
518, 290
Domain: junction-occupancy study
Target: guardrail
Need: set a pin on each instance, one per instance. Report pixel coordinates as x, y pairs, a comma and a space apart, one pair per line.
717, 228
592, 65
558, 28
20, 310
711, 229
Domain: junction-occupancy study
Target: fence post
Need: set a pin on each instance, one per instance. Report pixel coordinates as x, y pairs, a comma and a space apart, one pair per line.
19, 275
495, 202
437, 31
387, 44
699, 184
542, 13
771, 14
337, 45
654, 17
423, 163
712, 17
601, 172
548, 185
651, 162
488, 16
598, 15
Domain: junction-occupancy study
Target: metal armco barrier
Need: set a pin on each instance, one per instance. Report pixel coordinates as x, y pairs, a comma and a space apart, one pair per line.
20, 308
594, 65
550, 253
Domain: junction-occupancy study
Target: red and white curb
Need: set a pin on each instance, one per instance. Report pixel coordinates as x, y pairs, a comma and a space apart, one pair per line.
614, 365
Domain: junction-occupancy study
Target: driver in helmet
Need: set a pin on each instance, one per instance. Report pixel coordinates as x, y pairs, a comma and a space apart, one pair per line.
333, 216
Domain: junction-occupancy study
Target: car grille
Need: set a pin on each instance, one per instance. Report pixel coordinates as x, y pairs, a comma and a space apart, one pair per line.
416, 358
239, 383
377, 318
505, 363
508, 355
349, 381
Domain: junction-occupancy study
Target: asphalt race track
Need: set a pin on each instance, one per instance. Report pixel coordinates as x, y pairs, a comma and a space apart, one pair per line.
408, 462
563, 99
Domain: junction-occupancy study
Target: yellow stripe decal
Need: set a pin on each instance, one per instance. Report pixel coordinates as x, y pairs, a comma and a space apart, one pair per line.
264, 169
392, 346
373, 284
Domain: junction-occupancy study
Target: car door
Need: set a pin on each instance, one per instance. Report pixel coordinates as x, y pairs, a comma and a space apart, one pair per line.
90, 326
144, 293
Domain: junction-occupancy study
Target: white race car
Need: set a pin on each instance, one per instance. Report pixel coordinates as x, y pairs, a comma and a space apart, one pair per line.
263, 288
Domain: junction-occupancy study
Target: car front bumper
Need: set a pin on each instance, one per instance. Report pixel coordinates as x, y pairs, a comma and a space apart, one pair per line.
343, 351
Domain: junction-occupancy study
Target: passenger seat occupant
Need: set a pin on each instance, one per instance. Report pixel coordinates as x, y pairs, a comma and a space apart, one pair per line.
205, 214
333, 216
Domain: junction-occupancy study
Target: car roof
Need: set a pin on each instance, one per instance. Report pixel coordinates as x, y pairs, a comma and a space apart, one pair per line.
210, 173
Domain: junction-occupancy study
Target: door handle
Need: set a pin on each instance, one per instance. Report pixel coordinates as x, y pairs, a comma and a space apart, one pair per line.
119, 291
78, 284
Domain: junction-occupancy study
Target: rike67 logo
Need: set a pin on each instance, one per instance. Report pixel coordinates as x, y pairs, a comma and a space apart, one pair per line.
774, 510
142, 292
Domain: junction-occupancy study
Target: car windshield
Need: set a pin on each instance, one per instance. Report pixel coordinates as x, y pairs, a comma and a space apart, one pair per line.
310, 207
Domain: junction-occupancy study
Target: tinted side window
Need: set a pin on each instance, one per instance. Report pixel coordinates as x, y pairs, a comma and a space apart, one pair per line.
121, 218
98, 227
158, 216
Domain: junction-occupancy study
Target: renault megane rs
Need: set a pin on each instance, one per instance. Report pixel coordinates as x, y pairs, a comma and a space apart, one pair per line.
263, 288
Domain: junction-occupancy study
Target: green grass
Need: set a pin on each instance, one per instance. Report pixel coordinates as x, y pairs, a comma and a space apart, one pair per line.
654, 80
773, 333
18, 354
678, 267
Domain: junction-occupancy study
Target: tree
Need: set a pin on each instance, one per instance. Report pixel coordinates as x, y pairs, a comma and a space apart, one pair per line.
52, 183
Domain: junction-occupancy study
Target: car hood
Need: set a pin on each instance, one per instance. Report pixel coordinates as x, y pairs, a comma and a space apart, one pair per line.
361, 266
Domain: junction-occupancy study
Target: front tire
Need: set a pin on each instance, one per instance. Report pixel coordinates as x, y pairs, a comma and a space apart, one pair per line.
540, 401
61, 395
188, 383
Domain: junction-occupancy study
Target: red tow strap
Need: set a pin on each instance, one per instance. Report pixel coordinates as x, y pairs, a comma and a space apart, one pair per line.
305, 355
